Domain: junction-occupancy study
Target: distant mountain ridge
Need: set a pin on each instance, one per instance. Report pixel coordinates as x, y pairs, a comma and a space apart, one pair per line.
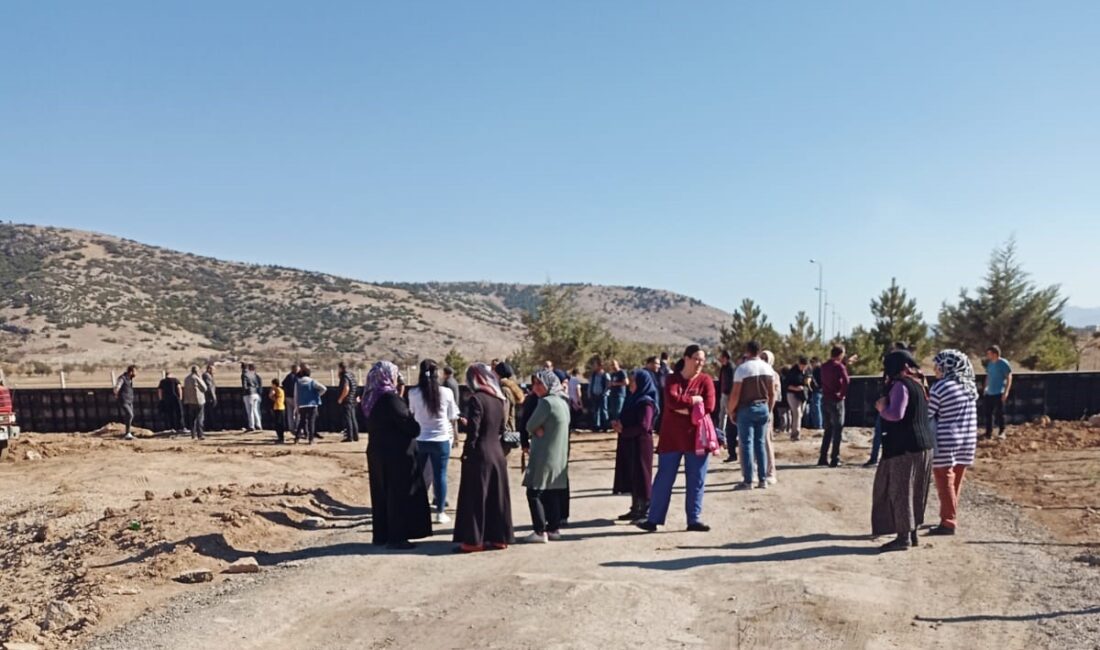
1081, 316
75, 297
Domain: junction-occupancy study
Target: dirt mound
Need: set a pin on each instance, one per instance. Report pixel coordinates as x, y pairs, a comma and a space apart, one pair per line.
1041, 435
117, 430
96, 529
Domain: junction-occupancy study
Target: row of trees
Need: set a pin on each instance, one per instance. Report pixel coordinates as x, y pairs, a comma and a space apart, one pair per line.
1008, 309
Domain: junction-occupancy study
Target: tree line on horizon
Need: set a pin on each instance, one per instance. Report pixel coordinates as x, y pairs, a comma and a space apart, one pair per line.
1008, 309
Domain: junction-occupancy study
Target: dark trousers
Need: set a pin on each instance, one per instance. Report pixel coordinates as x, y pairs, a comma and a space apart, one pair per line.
351, 423
194, 415
308, 421
834, 428
993, 408
172, 412
545, 509
280, 424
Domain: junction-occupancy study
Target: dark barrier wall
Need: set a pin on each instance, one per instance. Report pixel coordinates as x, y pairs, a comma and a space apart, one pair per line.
88, 409
1059, 395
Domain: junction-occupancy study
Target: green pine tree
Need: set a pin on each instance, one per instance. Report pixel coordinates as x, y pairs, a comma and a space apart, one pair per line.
1009, 310
749, 323
897, 320
801, 340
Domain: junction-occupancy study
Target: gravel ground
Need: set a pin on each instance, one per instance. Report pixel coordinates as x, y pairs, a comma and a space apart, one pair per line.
789, 567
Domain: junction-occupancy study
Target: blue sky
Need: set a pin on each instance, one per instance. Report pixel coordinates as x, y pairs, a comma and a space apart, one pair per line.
710, 148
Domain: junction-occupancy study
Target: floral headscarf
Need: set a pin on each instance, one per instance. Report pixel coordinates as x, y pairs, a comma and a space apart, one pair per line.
956, 366
481, 379
381, 379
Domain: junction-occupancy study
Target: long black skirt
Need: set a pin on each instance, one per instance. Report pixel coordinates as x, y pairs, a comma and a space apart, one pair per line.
901, 493
399, 499
484, 513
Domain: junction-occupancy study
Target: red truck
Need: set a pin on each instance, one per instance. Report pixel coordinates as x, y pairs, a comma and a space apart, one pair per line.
8, 429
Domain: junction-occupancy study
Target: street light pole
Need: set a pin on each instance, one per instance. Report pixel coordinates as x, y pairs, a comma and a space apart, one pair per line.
820, 298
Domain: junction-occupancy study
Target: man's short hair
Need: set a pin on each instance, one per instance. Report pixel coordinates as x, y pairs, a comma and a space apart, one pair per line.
650, 360
724, 354
837, 351
251, 366
131, 368
901, 345
664, 356
753, 348
803, 361
995, 349
815, 360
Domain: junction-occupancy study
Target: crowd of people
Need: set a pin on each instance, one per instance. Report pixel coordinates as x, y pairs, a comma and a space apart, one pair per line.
924, 434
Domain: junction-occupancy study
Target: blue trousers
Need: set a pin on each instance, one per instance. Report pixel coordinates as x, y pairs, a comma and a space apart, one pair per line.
668, 466
599, 413
876, 441
433, 457
615, 406
752, 426
817, 419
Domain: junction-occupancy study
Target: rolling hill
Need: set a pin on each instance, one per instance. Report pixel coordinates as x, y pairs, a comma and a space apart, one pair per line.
81, 299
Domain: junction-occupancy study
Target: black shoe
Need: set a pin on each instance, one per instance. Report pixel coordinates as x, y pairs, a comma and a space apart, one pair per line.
941, 530
731, 459
913, 539
630, 516
647, 526
836, 463
698, 527
318, 436
821, 462
346, 439
899, 544
401, 546
871, 463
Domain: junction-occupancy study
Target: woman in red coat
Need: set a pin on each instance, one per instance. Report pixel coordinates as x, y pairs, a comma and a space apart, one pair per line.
685, 388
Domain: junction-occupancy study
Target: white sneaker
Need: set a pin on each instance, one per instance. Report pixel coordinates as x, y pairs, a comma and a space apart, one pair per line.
441, 518
128, 436
535, 538
554, 536
772, 480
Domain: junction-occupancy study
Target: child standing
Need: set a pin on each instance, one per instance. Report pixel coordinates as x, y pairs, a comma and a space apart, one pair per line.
278, 406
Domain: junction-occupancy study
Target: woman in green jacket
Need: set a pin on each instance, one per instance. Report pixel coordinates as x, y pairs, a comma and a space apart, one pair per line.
547, 475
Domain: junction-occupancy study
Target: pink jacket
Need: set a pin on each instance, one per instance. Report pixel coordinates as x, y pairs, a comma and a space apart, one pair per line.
706, 438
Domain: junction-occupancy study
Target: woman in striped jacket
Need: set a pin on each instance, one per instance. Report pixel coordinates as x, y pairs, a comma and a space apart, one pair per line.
953, 405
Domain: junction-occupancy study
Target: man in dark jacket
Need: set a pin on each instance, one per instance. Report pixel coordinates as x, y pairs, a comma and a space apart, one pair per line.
349, 399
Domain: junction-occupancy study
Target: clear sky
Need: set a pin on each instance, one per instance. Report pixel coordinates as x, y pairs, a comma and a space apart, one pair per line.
709, 148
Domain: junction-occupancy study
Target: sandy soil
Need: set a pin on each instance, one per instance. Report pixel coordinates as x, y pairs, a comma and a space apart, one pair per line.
790, 567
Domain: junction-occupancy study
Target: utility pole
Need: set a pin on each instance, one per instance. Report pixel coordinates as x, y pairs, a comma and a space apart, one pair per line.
820, 298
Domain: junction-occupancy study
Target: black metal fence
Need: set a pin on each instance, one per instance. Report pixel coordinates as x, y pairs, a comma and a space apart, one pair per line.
87, 409
1059, 395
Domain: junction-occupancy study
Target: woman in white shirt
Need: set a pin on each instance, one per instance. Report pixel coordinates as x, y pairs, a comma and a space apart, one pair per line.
435, 408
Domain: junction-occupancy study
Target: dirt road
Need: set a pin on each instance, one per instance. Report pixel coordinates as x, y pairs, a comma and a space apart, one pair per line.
789, 567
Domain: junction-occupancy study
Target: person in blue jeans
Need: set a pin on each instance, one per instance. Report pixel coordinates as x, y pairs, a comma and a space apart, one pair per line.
817, 418
685, 388
436, 409
598, 386
751, 403
616, 394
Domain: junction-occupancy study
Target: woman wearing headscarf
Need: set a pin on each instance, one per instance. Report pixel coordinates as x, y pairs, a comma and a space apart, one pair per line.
635, 428
484, 517
399, 498
901, 481
953, 405
684, 389
547, 474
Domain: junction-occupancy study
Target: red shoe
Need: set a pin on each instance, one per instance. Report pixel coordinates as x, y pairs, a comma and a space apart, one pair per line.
470, 548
